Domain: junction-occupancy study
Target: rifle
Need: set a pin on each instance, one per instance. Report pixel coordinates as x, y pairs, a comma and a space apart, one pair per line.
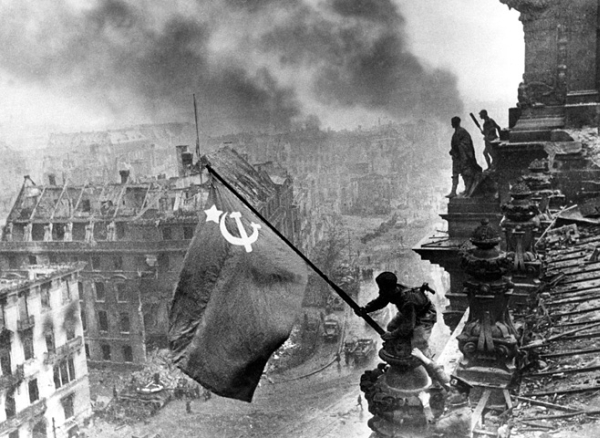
476, 122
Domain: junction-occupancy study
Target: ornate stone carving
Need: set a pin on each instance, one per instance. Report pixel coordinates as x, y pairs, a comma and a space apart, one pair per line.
398, 391
529, 9
488, 341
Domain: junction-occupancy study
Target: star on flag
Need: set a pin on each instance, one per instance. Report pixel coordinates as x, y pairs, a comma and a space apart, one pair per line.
213, 214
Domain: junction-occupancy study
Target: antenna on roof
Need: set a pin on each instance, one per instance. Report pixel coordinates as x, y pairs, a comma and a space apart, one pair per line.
197, 134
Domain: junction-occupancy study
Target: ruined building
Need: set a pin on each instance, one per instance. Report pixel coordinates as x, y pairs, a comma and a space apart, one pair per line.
96, 157
389, 159
133, 237
44, 388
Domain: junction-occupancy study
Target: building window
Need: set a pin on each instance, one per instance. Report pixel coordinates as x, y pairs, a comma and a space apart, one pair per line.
102, 321
127, 353
5, 362
83, 320
166, 233
80, 290
95, 263
23, 310
10, 406
52, 258
12, 262
164, 262
64, 372
118, 263
45, 295
120, 226
188, 232
100, 295
71, 367
27, 340
122, 293
50, 345
106, 352
66, 293
86, 206
32, 260
70, 330
124, 323
67, 403
14, 434
34, 394
87, 351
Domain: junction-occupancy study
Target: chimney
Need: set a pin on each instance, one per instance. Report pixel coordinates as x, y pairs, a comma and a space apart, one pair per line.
181, 149
124, 176
51, 179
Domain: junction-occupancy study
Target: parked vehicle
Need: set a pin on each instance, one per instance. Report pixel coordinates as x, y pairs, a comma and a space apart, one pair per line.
359, 350
331, 328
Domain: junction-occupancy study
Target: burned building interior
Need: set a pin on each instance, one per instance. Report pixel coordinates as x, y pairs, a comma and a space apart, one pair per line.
97, 229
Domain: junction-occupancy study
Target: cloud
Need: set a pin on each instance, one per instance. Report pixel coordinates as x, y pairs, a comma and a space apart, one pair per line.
144, 60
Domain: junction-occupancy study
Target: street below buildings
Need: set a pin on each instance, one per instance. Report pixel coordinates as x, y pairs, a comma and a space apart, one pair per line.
318, 398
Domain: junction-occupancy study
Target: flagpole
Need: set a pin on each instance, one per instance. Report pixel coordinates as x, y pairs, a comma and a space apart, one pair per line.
343, 295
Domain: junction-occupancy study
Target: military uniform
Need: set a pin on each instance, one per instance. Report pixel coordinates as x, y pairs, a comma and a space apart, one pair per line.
416, 314
489, 134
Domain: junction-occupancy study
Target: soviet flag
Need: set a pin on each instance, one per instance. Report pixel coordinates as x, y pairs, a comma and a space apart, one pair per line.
238, 295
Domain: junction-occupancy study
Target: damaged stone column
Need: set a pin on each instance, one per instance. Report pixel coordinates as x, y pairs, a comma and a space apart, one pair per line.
398, 392
488, 341
539, 180
521, 223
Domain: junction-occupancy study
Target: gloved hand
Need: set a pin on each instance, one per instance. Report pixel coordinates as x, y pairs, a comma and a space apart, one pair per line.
387, 336
360, 312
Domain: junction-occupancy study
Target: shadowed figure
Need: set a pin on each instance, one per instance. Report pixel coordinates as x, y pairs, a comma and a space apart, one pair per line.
464, 162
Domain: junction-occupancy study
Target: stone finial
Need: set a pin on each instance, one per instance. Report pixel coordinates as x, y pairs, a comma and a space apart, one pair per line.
485, 236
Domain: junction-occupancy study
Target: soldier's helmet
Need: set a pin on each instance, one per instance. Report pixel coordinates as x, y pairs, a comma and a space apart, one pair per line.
386, 280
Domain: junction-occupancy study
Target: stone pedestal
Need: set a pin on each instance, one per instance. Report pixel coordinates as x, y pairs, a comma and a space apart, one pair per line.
488, 341
395, 392
521, 224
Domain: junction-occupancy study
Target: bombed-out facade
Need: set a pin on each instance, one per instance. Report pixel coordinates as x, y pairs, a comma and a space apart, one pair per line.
132, 238
44, 388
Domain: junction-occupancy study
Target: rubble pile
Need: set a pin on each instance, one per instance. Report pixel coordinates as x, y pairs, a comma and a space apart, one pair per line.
159, 366
149, 390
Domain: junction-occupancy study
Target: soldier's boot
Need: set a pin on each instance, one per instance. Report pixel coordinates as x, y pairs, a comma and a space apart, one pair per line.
452, 193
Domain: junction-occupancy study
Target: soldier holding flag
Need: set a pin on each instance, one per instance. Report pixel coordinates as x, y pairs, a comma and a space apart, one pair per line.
491, 132
416, 313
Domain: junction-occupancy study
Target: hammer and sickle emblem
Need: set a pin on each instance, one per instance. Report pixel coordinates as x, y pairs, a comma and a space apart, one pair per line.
244, 240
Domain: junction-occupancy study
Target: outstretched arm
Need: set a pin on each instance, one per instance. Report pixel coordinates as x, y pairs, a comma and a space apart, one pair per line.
378, 303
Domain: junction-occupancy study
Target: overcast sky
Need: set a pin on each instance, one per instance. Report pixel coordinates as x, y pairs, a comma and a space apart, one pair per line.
80, 65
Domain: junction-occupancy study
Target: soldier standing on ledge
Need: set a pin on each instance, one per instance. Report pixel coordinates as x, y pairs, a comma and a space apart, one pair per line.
416, 313
490, 132
464, 162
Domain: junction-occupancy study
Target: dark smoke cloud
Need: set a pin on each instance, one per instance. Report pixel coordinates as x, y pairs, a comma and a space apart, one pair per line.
145, 60
117, 56
364, 62
375, 10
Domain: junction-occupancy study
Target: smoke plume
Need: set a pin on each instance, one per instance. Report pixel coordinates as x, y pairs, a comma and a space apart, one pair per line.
253, 64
